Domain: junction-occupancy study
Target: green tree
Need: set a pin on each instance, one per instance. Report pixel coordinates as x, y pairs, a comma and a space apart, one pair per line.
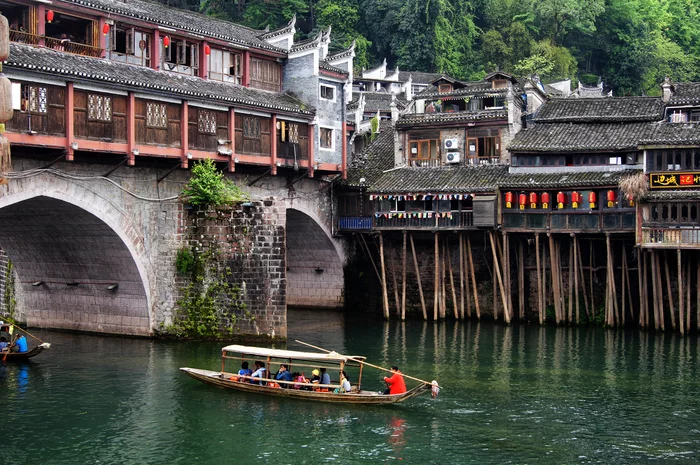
207, 186
343, 17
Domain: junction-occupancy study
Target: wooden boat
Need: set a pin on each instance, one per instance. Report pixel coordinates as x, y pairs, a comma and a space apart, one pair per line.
296, 360
12, 356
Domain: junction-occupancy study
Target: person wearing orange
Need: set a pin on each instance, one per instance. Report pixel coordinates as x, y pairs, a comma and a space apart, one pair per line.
395, 382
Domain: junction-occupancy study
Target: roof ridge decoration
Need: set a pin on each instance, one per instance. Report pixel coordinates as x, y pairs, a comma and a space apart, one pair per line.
347, 53
189, 20
307, 44
288, 29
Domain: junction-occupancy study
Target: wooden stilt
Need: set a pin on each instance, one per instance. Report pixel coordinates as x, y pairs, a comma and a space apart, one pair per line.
560, 274
609, 319
654, 288
697, 294
540, 297
571, 271
461, 275
629, 285
522, 297
591, 264
613, 286
369, 254
669, 293
467, 297
497, 272
495, 280
681, 306
640, 283
472, 272
443, 283
452, 280
574, 245
403, 277
622, 286
385, 297
555, 279
659, 312
420, 286
436, 300
393, 280
508, 311
582, 275
687, 295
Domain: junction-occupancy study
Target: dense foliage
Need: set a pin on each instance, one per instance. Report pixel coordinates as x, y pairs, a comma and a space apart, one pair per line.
630, 44
208, 186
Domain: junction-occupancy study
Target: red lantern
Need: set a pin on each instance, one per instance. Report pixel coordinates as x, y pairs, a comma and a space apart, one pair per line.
533, 200
522, 200
561, 200
166, 41
545, 200
575, 199
611, 199
207, 50
509, 200
591, 199
49, 16
105, 29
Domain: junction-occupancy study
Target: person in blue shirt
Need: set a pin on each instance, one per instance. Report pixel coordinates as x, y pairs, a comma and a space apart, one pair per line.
260, 372
4, 344
325, 377
20, 345
284, 375
245, 371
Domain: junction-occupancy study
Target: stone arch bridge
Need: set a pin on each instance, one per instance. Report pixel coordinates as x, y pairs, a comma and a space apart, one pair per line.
98, 254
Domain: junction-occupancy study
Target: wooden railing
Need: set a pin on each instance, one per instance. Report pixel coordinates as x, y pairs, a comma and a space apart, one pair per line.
355, 222
24, 37
459, 220
670, 237
581, 222
56, 44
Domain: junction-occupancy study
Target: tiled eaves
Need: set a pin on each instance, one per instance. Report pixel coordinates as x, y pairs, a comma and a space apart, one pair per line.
306, 44
371, 164
328, 67
665, 133
606, 109
579, 137
412, 119
55, 63
557, 179
446, 179
189, 21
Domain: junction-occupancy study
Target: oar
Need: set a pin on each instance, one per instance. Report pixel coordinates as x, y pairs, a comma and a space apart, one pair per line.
365, 363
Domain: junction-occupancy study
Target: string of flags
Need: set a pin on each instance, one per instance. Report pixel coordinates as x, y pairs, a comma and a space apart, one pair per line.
414, 215
420, 197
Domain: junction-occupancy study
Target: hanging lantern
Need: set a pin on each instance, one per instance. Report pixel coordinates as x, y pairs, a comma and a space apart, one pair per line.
166, 41
630, 200
522, 200
207, 50
591, 200
509, 200
611, 199
105, 29
561, 200
545, 200
533, 199
49, 16
575, 199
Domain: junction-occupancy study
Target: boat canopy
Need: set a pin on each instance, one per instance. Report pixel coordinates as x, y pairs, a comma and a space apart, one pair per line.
293, 354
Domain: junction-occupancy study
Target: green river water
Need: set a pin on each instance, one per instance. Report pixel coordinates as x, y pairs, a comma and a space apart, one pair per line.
520, 394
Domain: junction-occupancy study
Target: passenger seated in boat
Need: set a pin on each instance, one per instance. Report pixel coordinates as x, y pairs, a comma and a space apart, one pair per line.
325, 377
20, 345
344, 384
260, 372
4, 344
300, 379
245, 371
395, 383
283, 374
315, 377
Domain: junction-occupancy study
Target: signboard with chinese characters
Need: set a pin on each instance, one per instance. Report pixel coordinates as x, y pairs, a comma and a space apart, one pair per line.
674, 180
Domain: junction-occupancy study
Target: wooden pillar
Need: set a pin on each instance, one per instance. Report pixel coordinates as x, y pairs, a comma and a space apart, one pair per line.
41, 23
403, 278
473, 276
461, 275
497, 272
184, 133
246, 68
203, 60
70, 121
420, 286
671, 307
344, 154
540, 297
582, 275
641, 284
555, 279
385, 297
102, 41
576, 283
310, 147
273, 145
659, 310
448, 257
570, 316
393, 280
436, 298
130, 128
522, 296
155, 50
681, 307
232, 137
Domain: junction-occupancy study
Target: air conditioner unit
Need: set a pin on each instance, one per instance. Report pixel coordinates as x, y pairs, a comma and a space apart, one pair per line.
452, 157
451, 143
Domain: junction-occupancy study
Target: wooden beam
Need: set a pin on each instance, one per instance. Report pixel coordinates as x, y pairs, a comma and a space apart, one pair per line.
385, 297
461, 275
369, 255
497, 272
452, 280
70, 121
420, 286
393, 279
570, 272
403, 278
555, 279
273, 145
669, 293
232, 137
576, 283
473, 276
184, 133
681, 306
131, 128
540, 303
436, 297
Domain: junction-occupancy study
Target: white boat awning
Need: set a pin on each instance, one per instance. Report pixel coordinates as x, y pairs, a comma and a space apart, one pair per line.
293, 354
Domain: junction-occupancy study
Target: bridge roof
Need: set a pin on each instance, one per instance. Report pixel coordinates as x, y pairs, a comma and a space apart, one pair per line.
59, 64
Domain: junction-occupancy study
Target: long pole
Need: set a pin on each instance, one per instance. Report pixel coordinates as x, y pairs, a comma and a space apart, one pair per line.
390, 250
420, 286
365, 363
539, 277
403, 278
452, 280
681, 307
461, 275
497, 272
473, 275
436, 298
385, 297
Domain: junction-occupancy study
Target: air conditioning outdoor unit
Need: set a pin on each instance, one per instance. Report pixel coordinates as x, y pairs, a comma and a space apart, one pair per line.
451, 143
452, 157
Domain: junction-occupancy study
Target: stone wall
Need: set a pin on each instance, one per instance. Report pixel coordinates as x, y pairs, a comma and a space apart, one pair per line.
3, 280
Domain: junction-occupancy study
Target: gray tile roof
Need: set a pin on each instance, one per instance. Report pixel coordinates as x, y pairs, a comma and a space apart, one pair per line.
619, 109
456, 179
462, 89
196, 23
373, 161
685, 93
412, 119
418, 77
328, 67
55, 63
377, 101
666, 133
556, 179
582, 137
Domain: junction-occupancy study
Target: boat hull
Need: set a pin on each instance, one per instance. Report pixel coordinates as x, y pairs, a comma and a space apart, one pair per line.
12, 356
215, 378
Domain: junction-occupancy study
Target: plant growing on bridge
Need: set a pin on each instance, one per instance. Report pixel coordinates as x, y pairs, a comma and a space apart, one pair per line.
208, 186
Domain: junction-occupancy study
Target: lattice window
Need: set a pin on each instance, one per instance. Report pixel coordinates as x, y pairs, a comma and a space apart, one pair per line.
207, 122
251, 128
156, 115
99, 108
293, 133
326, 138
36, 99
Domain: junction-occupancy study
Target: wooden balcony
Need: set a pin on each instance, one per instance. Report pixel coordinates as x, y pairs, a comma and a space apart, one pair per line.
24, 37
75, 48
459, 220
608, 221
672, 238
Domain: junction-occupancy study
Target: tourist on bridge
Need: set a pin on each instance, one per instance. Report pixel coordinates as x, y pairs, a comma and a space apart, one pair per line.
395, 383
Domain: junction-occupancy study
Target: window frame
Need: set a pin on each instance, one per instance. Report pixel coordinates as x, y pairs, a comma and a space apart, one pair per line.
161, 115
326, 86
320, 138
100, 99
26, 104
206, 118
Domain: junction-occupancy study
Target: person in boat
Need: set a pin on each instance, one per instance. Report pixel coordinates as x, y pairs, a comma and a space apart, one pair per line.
20, 345
300, 380
344, 384
325, 377
395, 383
4, 345
260, 372
315, 377
245, 371
283, 374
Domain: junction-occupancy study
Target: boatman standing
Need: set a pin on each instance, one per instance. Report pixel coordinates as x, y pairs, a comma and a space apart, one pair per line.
395, 382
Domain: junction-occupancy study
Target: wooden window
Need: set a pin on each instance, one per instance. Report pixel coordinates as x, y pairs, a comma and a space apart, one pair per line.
423, 149
483, 146
290, 132
99, 108
265, 74
156, 115
444, 88
326, 138
34, 99
206, 123
251, 127
327, 92
225, 66
180, 57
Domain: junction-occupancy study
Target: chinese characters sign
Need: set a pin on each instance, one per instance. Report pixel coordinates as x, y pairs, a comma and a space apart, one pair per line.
674, 180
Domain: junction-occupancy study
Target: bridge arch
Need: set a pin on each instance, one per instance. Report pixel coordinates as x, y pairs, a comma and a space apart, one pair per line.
70, 246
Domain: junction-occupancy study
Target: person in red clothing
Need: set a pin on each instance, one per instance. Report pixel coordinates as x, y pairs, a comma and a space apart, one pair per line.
395, 382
